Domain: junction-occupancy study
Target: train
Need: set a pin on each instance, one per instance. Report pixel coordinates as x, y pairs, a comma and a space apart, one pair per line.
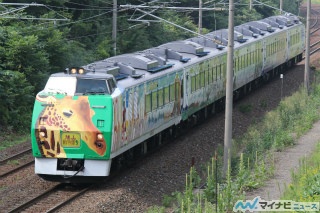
92, 118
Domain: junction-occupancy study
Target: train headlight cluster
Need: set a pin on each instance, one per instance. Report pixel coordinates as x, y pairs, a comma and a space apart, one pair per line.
75, 70
99, 141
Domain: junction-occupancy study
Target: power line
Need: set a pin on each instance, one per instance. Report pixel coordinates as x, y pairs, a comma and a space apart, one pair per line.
22, 6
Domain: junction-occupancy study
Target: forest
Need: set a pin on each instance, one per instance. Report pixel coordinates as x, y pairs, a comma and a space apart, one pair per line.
35, 42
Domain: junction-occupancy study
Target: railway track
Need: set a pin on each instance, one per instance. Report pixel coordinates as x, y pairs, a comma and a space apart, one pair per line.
315, 15
315, 47
51, 199
15, 162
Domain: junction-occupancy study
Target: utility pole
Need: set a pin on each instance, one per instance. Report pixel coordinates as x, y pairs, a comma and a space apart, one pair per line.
281, 6
229, 93
114, 26
250, 4
307, 52
200, 17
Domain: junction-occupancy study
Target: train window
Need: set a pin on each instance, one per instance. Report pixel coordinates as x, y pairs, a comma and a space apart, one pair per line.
242, 62
154, 100
65, 85
219, 71
181, 90
247, 59
237, 64
202, 79
160, 97
210, 76
172, 92
207, 76
166, 95
177, 88
148, 103
223, 69
112, 84
197, 81
91, 86
251, 58
193, 83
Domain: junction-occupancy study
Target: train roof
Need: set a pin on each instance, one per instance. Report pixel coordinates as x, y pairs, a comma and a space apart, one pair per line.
87, 75
134, 68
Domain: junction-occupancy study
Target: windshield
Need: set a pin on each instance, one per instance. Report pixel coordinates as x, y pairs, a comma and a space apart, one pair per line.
61, 85
72, 85
92, 86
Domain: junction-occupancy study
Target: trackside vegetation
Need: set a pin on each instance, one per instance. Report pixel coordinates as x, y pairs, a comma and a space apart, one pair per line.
293, 117
305, 186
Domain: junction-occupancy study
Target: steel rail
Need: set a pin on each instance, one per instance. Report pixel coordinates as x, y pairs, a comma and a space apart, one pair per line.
35, 199
14, 156
16, 169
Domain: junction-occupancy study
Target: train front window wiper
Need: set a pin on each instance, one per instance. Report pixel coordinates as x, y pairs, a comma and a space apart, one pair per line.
92, 92
56, 91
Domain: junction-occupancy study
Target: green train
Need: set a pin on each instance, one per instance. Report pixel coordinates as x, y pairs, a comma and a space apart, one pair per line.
91, 117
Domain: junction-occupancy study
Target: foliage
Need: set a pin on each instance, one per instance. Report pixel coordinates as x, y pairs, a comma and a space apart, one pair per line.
16, 97
305, 186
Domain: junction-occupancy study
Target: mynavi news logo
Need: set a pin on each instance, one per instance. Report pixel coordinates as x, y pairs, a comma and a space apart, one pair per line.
259, 205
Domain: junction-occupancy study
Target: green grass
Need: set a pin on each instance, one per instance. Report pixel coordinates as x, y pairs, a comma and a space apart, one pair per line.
313, 1
12, 139
305, 186
245, 108
13, 162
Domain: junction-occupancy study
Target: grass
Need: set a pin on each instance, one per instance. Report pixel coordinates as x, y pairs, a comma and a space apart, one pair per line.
245, 108
305, 186
13, 162
313, 1
12, 140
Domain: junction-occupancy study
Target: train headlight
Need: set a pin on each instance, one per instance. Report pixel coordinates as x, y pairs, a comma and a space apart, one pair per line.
42, 134
81, 71
99, 137
73, 71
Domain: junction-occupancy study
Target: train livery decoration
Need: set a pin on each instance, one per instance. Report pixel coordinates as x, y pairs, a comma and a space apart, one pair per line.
59, 117
89, 118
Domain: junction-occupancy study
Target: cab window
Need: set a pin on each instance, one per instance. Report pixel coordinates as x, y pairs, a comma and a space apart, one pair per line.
91, 86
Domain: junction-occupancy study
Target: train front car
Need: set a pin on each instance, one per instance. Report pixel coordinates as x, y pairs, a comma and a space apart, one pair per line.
72, 126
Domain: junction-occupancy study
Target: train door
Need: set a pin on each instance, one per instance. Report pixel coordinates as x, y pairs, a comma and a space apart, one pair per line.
184, 90
177, 87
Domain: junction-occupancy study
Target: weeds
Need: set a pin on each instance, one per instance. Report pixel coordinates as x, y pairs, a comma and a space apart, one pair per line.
305, 186
245, 108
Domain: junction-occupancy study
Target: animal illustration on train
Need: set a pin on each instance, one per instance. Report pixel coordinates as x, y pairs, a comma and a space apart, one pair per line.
91, 116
